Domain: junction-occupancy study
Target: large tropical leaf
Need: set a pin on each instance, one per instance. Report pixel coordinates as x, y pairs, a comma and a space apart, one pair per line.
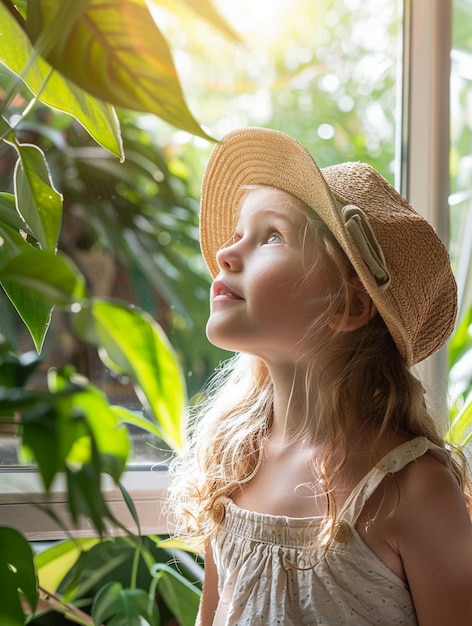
117, 606
134, 345
9, 215
54, 563
178, 593
17, 572
115, 52
48, 276
35, 281
38, 202
35, 313
15, 369
71, 429
133, 419
459, 432
105, 432
16, 53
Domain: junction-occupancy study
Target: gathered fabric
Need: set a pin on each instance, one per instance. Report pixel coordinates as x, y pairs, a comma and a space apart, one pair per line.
270, 572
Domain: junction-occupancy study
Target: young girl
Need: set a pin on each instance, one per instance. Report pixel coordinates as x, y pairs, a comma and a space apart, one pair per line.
315, 474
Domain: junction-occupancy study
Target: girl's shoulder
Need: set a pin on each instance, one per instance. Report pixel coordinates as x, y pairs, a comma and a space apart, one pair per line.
429, 484
423, 481
433, 531
415, 509
409, 474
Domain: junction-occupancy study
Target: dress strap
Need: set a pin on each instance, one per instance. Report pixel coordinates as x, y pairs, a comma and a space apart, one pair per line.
393, 462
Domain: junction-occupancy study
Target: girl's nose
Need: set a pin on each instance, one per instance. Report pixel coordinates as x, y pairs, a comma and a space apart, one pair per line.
229, 257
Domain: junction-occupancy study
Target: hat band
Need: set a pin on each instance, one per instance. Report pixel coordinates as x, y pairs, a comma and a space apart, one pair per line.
363, 237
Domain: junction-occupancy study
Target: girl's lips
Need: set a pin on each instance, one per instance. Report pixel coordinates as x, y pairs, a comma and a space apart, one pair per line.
221, 291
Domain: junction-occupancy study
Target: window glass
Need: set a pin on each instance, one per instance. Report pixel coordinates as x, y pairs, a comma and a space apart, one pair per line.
325, 72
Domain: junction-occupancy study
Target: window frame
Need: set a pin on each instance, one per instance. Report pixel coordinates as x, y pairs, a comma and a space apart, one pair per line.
23, 504
423, 177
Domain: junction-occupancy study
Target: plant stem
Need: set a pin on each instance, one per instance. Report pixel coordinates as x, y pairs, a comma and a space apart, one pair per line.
51, 601
134, 569
11, 8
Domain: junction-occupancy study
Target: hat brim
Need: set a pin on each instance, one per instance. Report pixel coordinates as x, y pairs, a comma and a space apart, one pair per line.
259, 156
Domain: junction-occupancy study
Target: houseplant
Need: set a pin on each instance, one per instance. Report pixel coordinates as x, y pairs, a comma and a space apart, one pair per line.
55, 52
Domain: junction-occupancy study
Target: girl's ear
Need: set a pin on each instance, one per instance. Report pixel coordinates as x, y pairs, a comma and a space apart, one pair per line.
361, 309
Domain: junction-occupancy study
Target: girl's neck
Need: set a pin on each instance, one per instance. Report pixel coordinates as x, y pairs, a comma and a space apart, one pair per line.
296, 418
295, 402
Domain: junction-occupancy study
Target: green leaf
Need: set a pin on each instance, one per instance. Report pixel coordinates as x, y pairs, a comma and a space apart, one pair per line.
178, 593
71, 429
461, 340
100, 564
98, 119
48, 437
133, 344
123, 607
177, 544
16, 369
55, 562
99, 443
36, 280
48, 276
11, 242
38, 202
459, 431
35, 313
116, 53
9, 215
133, 419
63, 18
108, 434
6, 131
130, 505
85, 498
17, 572
15, 399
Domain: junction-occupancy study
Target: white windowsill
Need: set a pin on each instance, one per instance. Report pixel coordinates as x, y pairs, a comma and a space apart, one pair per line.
22, 504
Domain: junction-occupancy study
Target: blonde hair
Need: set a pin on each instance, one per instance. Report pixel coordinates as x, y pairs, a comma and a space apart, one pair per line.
373, 391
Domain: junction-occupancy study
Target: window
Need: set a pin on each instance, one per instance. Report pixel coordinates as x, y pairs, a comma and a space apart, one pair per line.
132, 228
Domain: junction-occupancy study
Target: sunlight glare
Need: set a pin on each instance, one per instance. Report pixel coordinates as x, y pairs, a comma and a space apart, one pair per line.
258, 17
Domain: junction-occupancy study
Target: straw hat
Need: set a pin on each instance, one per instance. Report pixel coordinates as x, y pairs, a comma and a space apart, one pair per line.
400, 260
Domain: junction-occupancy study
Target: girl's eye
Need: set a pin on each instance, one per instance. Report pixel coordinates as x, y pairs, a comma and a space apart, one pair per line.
274, 238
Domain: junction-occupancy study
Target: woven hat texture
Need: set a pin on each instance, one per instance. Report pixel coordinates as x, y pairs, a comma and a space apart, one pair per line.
399, 258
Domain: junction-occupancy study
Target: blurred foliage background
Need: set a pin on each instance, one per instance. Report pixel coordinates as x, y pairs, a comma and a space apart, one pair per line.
326, 72
132, 227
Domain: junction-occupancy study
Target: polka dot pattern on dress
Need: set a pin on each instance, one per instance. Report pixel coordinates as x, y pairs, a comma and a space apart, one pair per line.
269, 572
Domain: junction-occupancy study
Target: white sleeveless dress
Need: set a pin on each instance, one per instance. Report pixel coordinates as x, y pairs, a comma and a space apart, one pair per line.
258, 586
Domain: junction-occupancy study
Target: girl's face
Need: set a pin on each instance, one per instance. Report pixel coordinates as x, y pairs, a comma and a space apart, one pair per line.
267, 294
